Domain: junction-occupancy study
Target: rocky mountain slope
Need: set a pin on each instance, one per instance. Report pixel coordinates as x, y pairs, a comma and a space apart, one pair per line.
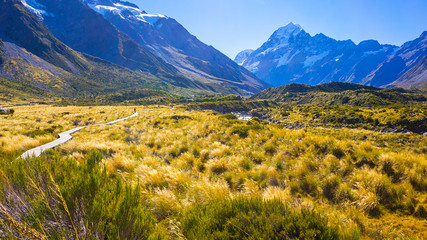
292, 55
68, 49
76, 25
20, 26
407, 68
33, 58
169, 40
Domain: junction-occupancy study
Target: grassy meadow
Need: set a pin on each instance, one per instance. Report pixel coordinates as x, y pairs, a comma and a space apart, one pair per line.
193, 174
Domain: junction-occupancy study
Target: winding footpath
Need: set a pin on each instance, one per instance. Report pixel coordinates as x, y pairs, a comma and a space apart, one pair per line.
63, 138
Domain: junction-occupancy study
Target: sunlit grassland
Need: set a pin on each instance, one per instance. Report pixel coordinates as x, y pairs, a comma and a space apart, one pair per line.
31, 126
185, 163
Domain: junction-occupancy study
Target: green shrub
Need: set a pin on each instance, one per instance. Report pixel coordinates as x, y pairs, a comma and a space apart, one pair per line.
256, 119
243, 130
253, 218
180, 117
63, 199
229, 117
41, 132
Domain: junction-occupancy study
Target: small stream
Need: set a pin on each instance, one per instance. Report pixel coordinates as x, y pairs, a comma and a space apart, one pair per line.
245, 116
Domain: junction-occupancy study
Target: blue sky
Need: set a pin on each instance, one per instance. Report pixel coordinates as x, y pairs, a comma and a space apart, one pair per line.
235, 25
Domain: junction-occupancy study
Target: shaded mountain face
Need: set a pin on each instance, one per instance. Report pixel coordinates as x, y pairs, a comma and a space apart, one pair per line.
79, 26
32, 74
75, 24
168, 39
407, 68
414, 77
292, 55
34, 60
22, 27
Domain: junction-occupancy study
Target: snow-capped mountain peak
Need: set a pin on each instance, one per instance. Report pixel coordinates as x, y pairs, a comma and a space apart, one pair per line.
281, 37
293, 55
287, 31
123, 10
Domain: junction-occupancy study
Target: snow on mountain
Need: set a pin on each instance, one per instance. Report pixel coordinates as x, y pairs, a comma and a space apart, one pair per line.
285, 59
120, 32
124, 10
293, 55
283, 34
280, 39
374, 52
253, 67
169, 40
36, 8
311, 60
242, 56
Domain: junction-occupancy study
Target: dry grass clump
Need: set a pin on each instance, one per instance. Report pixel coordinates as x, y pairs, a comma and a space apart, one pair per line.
217, 166
121, 163
150, 177
271, 193
164, 203
204, 191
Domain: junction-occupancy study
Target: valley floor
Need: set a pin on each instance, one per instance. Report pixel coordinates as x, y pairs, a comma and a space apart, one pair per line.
185, 174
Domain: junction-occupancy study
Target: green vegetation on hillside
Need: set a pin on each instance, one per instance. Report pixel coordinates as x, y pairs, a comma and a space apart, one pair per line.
17, 93
228, 106
338, 93
423, 87
394, 117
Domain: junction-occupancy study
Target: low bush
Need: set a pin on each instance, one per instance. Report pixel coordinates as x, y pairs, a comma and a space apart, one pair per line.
179, 117
228, 117
254, 218
243, 130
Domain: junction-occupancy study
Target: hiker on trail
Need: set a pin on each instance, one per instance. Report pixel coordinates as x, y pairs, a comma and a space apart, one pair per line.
134, 110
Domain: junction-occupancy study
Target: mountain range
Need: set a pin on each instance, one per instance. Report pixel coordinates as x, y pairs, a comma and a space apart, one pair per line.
33, 58
291, 55
77, 48
169, 40
87, 48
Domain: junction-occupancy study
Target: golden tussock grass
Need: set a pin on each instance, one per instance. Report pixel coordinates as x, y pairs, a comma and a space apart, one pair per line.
183, 158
